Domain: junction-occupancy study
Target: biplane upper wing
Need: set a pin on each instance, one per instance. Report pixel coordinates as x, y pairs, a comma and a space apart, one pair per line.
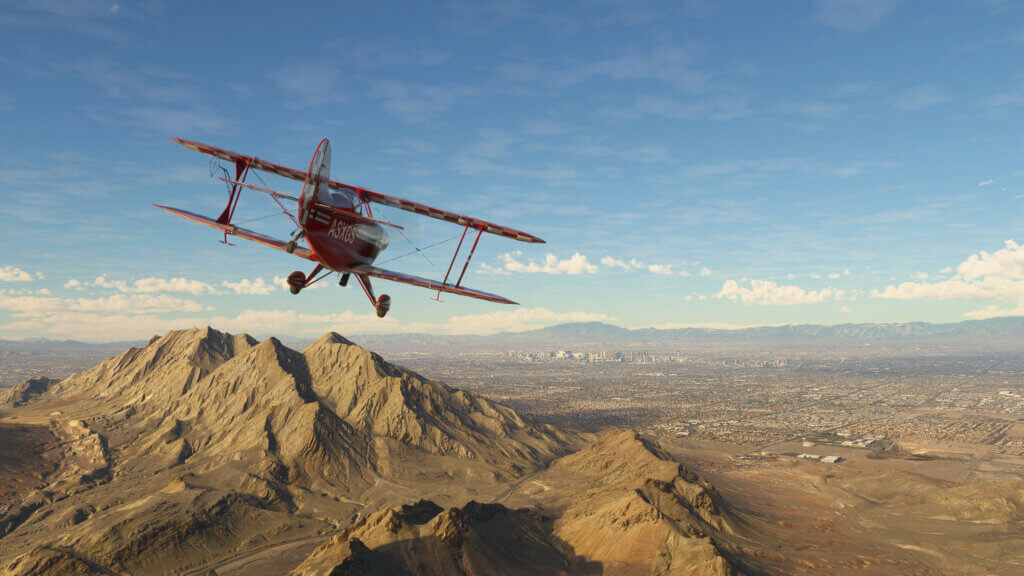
236, 231
254, 162
366, 195
431, 284
424, 210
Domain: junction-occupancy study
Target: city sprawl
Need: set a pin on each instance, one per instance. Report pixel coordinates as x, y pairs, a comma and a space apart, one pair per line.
852, 396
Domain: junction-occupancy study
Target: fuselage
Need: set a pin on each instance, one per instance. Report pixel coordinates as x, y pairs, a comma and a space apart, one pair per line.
341, 242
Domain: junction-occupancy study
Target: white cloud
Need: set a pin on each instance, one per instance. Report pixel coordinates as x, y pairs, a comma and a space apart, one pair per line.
853, 15
833, 275
984, 183
946, 270
705, 271
921, 275
1007, 262
994, 311
920, 97
305, 84
14, 274
517, 320
73, 284
634, 264
100, 326
31, 306
613, 262
576, 264
991, 288
845, 309
150, 285
153, 285
995, 276
298, 323
254, 287
766, 292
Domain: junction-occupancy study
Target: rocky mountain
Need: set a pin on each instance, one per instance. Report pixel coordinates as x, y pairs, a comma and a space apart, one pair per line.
423, 538
203, 448
634, 509
202, 444
21, 394
620, 506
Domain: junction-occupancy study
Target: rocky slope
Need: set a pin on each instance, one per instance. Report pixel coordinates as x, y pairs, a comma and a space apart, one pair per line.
203, 444
423, 538
620, 506
624, 503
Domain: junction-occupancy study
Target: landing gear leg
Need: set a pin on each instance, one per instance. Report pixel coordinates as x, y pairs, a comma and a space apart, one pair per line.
344, 279
290, 246
382, 304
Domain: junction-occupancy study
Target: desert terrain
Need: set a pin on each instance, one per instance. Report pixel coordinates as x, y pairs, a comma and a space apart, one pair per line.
204, 451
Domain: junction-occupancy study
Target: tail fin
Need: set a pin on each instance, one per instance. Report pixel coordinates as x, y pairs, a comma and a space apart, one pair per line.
318, 178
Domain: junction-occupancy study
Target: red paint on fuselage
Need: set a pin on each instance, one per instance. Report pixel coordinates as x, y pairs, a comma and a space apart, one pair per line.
341, 243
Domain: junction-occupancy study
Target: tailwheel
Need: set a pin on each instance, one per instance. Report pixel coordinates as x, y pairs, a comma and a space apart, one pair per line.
296, 282
383, 305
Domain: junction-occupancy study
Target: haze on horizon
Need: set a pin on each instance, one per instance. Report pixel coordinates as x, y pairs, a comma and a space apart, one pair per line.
689, 163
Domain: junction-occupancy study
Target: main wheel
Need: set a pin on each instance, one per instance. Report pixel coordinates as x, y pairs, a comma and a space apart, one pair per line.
296, 282
383, 305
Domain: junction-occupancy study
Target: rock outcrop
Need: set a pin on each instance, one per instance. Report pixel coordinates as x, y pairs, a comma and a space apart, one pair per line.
624, 503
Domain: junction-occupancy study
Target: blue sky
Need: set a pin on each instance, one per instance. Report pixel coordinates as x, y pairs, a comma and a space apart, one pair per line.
688, 163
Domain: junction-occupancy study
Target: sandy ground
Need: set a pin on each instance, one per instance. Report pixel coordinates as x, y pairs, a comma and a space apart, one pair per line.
865, 515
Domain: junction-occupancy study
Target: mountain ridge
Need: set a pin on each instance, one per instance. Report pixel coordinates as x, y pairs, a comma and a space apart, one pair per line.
1006, 330
202, 442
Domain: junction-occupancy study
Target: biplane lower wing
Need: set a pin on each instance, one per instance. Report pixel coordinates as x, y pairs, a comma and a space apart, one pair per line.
241, 232
431, 284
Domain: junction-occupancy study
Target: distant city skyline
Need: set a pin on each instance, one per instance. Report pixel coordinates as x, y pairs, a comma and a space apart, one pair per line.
719, 164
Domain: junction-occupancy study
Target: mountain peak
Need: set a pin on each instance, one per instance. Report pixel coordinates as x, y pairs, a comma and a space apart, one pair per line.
334, 338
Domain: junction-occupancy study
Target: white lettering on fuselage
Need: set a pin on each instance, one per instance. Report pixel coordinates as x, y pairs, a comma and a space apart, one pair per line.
343, 231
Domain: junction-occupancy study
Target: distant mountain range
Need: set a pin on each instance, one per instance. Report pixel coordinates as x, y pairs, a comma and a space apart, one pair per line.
1008, 330
35, 344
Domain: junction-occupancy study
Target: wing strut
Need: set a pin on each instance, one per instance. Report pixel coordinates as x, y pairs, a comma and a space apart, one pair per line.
241, 170
455, 256
470, 257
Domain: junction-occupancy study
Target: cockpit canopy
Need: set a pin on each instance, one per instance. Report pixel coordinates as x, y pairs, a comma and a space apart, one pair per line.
373, 234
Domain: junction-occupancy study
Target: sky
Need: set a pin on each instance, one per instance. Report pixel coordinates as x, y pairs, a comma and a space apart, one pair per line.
723, 163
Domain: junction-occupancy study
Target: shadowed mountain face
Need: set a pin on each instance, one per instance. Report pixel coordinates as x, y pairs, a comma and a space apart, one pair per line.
620, 506
423, 538
203, 444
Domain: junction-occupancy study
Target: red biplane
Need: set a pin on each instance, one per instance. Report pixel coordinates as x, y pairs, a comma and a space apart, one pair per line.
338, 226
